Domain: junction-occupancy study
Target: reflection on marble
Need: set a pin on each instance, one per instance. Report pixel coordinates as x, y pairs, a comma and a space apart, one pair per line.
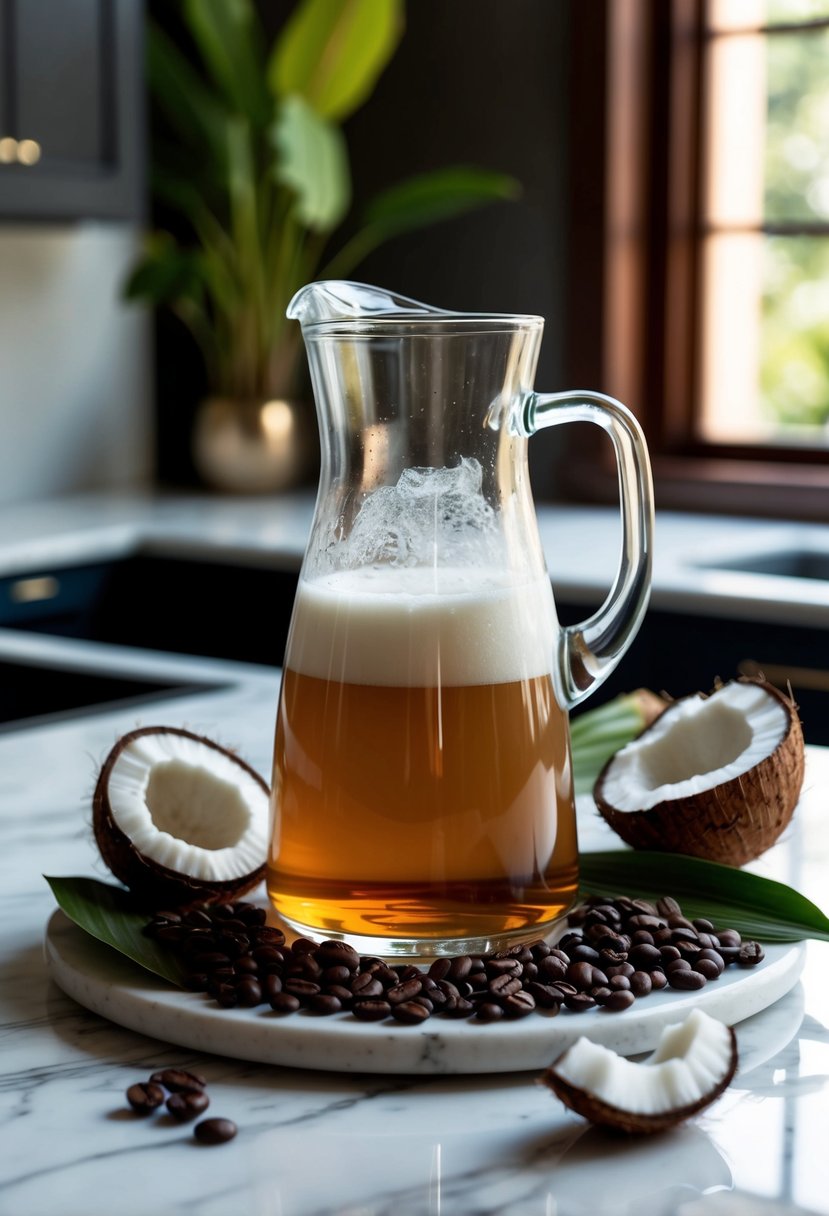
325, 1144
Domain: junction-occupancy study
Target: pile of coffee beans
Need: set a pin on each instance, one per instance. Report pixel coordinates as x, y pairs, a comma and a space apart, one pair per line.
185, 1097
615, 952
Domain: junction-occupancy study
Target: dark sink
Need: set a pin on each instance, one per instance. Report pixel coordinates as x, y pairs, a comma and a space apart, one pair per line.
34, 691
785, 563
180, 603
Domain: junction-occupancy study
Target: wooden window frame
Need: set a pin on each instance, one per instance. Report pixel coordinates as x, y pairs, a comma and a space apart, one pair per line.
634, 280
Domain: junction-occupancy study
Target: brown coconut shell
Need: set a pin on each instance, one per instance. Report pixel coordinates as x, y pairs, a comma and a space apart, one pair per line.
731, 823
153, 885
630, 1122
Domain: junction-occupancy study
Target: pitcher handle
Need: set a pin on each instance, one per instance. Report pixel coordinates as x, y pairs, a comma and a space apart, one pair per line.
589, 651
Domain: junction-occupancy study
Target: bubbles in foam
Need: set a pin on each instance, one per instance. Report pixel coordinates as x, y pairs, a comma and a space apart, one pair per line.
423, 626
428, 512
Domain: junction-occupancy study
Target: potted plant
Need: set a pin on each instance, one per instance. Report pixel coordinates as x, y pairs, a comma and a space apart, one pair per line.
258, 172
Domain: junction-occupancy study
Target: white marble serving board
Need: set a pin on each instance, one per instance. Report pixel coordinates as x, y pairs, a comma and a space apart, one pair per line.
109, 984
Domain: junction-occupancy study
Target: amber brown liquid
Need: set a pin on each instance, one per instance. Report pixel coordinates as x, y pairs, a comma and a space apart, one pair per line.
421, 814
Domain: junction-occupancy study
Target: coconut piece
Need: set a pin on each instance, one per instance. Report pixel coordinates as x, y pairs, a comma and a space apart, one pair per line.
692, 1065
716, 777
178, 818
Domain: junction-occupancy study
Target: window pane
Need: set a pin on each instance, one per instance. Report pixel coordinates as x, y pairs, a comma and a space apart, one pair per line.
735, 127
766, 340
750, 14
797, 134
794, 369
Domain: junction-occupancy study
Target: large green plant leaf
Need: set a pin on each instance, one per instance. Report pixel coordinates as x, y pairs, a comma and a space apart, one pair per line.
597, 734
418, 202
228, 35
107, 913
332, 51
312, 161
189, 106
738, 899
166, 273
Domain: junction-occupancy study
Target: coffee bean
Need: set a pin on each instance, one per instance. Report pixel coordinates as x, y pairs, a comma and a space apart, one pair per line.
642, 937
178, 1080
619, 1000
659, 980
215, 1131
333, 953
370, 1009
552, 968
641, 983
461, 1009
600, 994
224, 995
284, 1002
186, 1106
751, 953
268, 935
546, 996
685, 979
300, 988
579, 1001
489, 1011
404, 991
626, 969
504, 985
440, 968
667, 906
707, 968
501, 966
409, 1012
621, 983
366, 985
425, 1002
145, 1096
324, 1003
518, 1004
668, 954
729, 937
249, 992
271, 985
246, 965
580, 975
584, 954
644, 957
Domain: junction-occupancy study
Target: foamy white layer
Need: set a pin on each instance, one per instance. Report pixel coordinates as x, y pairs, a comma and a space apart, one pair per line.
421, 627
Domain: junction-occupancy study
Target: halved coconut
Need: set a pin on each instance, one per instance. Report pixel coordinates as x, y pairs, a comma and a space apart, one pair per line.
693, 1064
178, 818
716, 777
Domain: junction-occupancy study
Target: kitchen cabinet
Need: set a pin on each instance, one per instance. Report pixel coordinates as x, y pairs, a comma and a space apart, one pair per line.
680, 653
71, 109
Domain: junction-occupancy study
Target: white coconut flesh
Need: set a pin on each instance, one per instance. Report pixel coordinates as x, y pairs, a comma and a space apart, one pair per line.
700, 743
188, 807
692, 1060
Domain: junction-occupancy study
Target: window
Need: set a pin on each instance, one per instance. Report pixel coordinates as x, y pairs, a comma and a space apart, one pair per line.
712, 175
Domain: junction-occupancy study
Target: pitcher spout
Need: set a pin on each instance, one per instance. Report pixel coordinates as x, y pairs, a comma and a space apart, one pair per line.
341, 300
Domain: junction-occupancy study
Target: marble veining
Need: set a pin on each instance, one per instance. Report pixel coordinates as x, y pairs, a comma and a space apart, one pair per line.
329, 1144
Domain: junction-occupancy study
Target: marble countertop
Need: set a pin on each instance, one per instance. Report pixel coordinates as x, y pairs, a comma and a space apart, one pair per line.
324, 1144
694, 555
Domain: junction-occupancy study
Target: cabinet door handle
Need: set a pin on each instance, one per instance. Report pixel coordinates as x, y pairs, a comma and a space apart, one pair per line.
19, 151
781, 675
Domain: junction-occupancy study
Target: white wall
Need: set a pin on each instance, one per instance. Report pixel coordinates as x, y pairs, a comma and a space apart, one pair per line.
75, 366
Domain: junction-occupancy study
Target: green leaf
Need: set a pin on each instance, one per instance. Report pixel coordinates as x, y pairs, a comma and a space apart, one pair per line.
418, 202
331, 52
596, 734
108, 914
228, 35
312, 162
430, 197
166, 273
188, 105
758, 907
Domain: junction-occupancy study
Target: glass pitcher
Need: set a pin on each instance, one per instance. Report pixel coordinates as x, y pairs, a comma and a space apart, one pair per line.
422, 784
